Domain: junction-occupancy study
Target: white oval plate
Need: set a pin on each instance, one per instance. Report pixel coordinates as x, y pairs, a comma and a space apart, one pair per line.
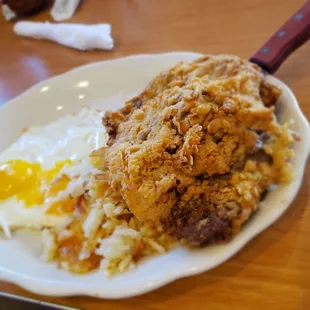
94, 83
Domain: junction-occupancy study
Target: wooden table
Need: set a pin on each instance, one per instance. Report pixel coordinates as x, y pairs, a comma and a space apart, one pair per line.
273, 270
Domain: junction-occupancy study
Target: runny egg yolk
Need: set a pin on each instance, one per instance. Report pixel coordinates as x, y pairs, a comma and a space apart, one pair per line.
31, 184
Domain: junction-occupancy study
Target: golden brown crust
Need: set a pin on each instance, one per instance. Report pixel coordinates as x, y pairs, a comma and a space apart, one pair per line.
195, 123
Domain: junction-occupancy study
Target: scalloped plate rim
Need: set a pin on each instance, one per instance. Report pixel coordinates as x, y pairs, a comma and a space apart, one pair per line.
54, 288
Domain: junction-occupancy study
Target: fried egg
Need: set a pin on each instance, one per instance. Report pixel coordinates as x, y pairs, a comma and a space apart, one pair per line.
43, 173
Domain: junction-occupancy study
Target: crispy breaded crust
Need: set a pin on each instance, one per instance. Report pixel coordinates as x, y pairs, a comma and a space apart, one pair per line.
196, 150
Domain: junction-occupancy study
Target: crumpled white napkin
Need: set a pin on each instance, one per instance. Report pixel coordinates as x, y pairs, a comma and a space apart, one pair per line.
78, 36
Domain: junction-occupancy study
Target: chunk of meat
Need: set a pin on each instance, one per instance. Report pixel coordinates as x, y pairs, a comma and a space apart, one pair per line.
204, 231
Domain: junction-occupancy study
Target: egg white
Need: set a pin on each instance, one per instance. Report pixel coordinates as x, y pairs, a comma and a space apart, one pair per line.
72, 137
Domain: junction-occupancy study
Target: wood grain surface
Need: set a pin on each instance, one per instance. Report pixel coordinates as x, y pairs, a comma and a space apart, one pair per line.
273, 270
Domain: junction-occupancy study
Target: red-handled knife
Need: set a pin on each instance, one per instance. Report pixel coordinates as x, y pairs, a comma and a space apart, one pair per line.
294, 33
